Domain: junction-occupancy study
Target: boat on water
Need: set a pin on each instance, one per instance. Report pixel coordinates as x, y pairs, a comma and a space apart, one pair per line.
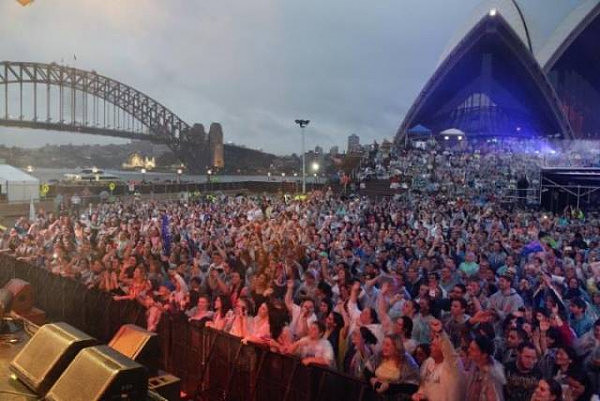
91, 175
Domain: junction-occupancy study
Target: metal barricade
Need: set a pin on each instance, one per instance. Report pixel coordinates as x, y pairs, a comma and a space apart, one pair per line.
212, 365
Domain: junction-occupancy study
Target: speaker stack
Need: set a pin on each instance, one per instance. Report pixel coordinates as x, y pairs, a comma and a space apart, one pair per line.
142, 346
100, 373
138, 344
62, 363
47, 355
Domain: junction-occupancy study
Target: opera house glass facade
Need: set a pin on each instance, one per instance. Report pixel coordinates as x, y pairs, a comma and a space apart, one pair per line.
490, 82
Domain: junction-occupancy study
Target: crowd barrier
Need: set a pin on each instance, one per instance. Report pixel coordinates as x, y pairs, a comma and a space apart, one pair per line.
122, 189
212, 364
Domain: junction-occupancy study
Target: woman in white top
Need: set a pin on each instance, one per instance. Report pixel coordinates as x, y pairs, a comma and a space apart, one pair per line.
223, 314
261, 329
394, 371
242, 324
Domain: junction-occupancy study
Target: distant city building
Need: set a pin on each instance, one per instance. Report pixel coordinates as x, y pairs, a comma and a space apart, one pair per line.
215, 145
136, 161
319, 150
334, 151
354, 144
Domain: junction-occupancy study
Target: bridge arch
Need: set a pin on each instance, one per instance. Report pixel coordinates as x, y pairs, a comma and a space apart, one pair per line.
63, 98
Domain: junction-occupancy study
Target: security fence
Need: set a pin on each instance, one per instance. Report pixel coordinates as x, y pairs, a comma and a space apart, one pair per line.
212, 365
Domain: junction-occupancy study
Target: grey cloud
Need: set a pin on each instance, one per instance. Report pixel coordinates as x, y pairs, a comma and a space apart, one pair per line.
255, 66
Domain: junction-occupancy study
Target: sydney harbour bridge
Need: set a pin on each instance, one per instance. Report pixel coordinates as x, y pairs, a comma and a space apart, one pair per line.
62, 98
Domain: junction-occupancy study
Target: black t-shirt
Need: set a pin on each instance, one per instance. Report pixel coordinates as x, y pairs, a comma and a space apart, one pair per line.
520, 385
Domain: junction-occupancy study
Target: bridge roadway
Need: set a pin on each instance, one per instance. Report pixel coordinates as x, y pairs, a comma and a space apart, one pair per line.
82, 129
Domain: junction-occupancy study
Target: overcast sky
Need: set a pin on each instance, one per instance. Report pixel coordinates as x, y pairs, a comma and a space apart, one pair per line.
349, 66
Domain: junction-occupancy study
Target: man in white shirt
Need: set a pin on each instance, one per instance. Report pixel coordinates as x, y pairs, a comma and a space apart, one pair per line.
442, 374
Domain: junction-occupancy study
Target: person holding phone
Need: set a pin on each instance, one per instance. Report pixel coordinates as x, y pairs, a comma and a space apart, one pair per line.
242, 324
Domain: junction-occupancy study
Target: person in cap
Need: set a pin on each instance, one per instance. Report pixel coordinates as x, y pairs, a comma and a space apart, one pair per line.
506, 300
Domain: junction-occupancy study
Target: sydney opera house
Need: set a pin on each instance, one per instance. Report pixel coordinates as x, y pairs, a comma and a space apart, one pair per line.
494, 81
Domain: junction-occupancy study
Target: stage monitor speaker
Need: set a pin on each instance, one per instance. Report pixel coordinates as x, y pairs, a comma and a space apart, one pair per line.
138, 344
167, 386
22, 292
101, 374
47, 354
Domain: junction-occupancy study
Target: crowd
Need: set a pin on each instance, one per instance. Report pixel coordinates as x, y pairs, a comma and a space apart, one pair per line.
429, 297
492, 167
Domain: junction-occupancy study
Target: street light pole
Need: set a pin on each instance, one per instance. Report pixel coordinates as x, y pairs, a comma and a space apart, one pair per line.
302, 124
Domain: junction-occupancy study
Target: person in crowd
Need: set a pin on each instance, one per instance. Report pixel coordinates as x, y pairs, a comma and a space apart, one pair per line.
448, 250
242, 324
469, 267
223, 314
442, 374
547, 390
138, 287
456, 322
336, 332
301, 316
506, 300
588, 348
580, 322
260, 331
515, 336
201, 313
363, 349
485, 375
393, 371
522, 374
366, 318
402, 326
313, 348
422, 353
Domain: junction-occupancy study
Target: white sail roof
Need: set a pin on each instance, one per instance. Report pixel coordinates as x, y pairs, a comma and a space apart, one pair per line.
506, 8
567, 31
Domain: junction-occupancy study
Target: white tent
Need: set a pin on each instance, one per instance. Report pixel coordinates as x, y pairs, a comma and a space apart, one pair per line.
452, 131
17, 185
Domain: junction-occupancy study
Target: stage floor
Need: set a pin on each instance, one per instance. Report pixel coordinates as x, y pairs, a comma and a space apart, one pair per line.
12, 389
